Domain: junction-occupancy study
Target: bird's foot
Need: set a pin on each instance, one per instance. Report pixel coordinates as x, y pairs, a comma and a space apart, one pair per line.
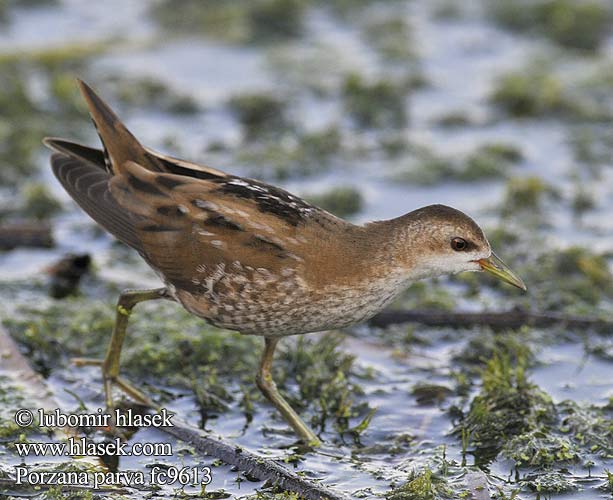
110, 380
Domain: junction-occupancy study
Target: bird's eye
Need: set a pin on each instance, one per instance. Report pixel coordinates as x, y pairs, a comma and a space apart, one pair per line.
459, 244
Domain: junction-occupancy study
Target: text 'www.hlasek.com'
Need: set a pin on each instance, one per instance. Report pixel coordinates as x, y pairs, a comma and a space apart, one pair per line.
82, 446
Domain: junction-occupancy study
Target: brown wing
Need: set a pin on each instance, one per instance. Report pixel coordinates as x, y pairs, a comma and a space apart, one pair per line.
188, 227
87, 184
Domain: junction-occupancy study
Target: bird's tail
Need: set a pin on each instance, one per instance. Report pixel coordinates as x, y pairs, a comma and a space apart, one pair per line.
118, 143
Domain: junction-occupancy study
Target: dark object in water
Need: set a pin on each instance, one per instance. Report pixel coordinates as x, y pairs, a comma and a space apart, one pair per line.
66, 274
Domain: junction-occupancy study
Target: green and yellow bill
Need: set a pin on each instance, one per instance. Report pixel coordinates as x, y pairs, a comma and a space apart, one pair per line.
494, 265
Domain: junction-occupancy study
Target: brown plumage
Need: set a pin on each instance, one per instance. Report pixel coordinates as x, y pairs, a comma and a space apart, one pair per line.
249, 256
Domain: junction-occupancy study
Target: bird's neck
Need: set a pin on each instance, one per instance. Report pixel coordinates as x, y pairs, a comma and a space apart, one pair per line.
401, 247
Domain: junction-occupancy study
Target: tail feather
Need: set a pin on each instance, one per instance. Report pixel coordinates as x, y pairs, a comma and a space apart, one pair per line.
118, 142
76, 150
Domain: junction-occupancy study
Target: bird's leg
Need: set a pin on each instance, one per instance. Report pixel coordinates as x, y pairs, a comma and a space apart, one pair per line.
268, 387
110, 364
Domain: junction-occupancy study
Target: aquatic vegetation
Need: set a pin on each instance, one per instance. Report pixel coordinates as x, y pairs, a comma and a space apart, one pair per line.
532, 91
391, 37
591, 145
341, 201
582, 201
538, 448
453, 119
235, 21
148, 92
525, 194
539, 89
489, 161
10, 400
576, 25
295, 154
7, 5
508, 405
430, 394
168, 346
260, 114
38, 202
421, 486
377, 104
422, 295
584, 277
516, 347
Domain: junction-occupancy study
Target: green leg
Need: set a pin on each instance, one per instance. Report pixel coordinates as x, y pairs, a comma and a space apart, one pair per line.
110, 365
268, 387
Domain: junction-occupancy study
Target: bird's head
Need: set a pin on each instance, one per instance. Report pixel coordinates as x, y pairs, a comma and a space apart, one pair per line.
447, 241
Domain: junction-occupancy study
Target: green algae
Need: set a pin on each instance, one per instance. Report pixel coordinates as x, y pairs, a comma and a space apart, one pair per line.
237, 21
377, 104
538, 88
391, 37
297, 154
341, 201
260, 114
421, 486
489, 161
527, 194
508, 405
38, 202
532, 91
575, 25
167, 346
151, 93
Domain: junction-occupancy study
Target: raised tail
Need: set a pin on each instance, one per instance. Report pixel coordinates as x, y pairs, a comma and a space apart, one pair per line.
118, 142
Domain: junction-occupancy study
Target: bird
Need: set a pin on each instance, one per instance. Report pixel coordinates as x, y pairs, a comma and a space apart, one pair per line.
247, 256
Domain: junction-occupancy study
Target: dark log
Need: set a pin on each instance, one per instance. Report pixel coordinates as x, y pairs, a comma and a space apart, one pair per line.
28, 234
254, 465
513, 319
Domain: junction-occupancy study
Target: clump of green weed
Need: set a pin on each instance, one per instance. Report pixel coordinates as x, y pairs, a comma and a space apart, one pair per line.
38, 202
540, 448
148, 92
322, 372
424, 485
487, 345
488, 161
582, 277
391, 37
341, 201
526, 194
260, 114
550, 482
507, 406
237, 21
378, 104
296, 154
577, 25
533, 91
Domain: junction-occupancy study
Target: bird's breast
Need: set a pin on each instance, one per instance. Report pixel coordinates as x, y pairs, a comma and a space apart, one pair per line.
261, 302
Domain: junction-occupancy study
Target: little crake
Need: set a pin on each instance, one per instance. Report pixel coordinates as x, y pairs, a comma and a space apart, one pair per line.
248, 256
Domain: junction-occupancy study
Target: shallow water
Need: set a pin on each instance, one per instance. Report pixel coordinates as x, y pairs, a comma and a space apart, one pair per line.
461, 58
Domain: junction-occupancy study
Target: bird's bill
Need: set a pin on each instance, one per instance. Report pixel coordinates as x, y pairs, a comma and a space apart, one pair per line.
495, 266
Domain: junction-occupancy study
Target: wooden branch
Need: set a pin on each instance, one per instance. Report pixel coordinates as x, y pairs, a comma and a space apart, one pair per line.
28, 234
255, 465
512, 319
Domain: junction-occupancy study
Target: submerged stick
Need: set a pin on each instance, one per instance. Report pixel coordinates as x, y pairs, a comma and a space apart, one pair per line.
515, 318
254, 465
27, 234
